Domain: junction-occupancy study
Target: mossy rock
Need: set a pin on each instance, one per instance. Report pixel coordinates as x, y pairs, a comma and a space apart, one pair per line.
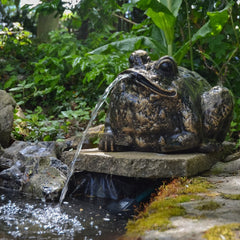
227, 232
231, 196
208, 206
167, 204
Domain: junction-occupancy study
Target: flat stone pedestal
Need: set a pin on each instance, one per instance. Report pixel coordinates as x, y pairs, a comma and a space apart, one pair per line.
142, 164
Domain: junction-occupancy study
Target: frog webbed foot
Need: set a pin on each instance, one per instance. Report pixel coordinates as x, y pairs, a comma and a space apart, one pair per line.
106, 142
115, 143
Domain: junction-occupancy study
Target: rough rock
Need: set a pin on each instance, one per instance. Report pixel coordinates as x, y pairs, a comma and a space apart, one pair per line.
226, 167
46, 184
12, 177
142, 164
33, 168
7, 105
196, 222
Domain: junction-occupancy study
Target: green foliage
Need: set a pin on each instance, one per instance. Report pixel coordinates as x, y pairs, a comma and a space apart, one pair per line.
17, 52
38, 126
164, 15
95, 16
64, 75
47, 7
84, 57
213, 27
235, 124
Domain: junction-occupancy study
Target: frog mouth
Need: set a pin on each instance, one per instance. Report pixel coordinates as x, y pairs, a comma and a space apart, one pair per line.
139, 77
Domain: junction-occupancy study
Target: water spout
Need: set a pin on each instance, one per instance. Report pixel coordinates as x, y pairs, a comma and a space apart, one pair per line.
93, 116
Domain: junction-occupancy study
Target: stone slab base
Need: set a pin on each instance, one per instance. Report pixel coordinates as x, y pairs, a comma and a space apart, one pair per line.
142, 164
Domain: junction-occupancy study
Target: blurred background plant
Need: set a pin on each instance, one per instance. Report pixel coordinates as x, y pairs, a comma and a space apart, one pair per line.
56, 71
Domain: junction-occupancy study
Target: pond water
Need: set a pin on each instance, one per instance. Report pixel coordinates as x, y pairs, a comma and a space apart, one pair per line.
24, 218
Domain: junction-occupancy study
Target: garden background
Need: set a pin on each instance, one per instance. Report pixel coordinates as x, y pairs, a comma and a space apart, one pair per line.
57, 58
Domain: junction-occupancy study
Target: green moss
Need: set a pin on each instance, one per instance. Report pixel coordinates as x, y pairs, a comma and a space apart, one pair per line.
209, 206
195, 217
197, 185
167, 204
231, 196
156, 217
227, 232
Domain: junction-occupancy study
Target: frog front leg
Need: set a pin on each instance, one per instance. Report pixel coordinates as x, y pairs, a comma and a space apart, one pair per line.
187, 134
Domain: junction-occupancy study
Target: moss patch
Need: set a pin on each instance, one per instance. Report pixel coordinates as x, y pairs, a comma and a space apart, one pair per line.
166, 204
231, 196
197, 185
227, 232
208, 206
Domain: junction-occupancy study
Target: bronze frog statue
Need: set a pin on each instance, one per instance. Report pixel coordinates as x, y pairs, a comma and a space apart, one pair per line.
161, 107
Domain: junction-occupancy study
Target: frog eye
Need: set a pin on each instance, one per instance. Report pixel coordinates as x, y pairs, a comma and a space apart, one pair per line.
167, 66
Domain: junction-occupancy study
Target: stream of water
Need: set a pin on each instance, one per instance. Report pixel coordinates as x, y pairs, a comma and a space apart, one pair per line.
24, 218
93, 116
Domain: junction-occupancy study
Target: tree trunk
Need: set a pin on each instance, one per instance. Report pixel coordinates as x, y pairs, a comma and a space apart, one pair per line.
46, 24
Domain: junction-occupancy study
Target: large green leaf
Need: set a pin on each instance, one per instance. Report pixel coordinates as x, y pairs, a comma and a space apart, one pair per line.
128, 45
216, 22
165, 21
163, 13
156, 5
4, 2
172, 5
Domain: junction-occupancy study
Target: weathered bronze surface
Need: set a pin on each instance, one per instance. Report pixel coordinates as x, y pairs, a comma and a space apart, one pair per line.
161, 107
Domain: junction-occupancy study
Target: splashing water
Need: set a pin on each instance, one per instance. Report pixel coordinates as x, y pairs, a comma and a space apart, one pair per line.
23, 218
93, 116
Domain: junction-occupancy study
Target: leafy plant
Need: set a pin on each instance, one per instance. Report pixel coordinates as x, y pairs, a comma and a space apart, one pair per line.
36, 126
77, 64
47, 7
213, 27
234, 133
164, 15
16, 51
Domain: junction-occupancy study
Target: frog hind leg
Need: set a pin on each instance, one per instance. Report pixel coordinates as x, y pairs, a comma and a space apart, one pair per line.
217, 112
185, 141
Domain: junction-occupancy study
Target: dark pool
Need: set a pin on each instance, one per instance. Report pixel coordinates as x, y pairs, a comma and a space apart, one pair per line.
24, 218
